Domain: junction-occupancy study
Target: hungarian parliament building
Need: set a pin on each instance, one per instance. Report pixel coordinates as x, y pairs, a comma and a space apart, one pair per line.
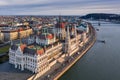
41, 51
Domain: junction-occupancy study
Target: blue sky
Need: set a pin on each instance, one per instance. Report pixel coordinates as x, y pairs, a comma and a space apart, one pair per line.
56, 7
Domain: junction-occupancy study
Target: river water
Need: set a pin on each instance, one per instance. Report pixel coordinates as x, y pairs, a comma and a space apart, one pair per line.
102, 61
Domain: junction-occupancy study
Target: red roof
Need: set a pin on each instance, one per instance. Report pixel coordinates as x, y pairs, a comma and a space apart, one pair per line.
22, 46
50, 36
20, 29
62, 25
46, 36
73, 29
41, 51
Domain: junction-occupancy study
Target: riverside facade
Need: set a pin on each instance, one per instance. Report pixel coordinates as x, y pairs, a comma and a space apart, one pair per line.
39, 54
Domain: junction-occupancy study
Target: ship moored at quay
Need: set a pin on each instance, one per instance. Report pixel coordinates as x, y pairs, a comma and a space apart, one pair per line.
52, 52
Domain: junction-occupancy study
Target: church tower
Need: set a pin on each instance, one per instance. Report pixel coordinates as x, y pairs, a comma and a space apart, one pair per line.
61, 29
67, 42
76, 38
75, 32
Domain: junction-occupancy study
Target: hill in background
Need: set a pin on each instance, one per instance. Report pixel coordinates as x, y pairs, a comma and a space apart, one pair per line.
103, 16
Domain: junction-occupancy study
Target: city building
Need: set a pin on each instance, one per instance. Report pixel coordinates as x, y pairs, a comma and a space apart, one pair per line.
13, 33
1, 37
39, 54
32, 58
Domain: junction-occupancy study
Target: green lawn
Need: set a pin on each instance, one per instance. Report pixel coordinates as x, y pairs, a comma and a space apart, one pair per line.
4, 49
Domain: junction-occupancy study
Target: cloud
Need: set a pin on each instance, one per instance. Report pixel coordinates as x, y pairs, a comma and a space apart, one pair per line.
23, 2
51, 7
2, 3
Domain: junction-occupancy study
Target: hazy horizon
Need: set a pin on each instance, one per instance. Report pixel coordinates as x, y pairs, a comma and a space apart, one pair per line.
56, 7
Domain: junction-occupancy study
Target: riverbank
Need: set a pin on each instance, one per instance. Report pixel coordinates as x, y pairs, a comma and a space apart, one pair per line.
101, 62
63, 62
74, 61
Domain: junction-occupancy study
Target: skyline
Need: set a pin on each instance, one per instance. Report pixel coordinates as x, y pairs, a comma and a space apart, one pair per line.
56, 7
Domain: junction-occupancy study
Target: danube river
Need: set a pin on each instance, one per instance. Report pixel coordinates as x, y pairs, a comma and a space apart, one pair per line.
102, 61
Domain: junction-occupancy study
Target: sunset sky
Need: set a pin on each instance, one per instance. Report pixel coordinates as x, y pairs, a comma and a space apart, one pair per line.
55, 7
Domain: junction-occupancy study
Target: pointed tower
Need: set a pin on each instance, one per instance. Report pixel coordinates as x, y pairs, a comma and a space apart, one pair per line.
76, 38
67, 42
75, 32
61, 28
54, 34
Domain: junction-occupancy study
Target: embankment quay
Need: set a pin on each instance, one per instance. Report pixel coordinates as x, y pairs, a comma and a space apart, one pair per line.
60, 68
101, 62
